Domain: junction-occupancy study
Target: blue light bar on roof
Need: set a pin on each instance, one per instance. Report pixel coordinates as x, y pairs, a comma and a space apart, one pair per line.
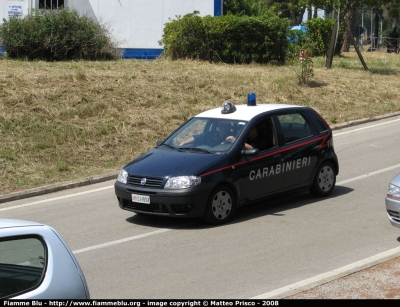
251, 99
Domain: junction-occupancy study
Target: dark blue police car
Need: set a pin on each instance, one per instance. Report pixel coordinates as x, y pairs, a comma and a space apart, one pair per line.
227, 157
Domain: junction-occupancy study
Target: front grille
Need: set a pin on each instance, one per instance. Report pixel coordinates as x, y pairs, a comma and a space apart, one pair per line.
151, 182
394, 215
152, 207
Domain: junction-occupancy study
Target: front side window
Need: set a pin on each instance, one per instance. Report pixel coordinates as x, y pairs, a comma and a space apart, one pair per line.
206, 135
262, 135
22, 264
51, 4
294, 127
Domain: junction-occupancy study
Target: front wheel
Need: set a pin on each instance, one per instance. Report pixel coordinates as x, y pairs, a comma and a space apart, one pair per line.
220, 206
324, 181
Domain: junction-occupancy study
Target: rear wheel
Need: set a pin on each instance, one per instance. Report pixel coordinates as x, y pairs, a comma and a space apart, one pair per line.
324, 181
220, 206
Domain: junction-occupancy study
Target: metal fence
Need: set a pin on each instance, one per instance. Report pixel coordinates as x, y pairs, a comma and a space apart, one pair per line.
382, 44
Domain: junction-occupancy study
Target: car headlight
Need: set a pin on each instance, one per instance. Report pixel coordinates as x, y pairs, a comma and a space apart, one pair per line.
393, 192
182, 182
123, 176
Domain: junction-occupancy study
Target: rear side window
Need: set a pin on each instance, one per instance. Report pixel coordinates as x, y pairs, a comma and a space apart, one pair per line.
22, 264
294, 127
320, 123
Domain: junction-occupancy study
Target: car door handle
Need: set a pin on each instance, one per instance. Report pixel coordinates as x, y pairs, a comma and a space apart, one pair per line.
278, 156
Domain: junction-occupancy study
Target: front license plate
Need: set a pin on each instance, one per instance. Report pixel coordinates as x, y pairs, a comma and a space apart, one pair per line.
140, 199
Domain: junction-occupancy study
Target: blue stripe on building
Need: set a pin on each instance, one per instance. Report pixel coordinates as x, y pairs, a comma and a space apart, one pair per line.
143, 54
218, 7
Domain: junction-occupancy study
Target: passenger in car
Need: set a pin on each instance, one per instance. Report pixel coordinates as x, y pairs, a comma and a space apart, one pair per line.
256, 140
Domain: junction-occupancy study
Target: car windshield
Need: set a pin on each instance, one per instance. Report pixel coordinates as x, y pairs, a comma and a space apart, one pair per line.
206, 135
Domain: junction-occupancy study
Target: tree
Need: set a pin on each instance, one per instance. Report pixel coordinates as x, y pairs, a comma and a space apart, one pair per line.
294, 10
290, 9
350, 19
236, 7
346, 12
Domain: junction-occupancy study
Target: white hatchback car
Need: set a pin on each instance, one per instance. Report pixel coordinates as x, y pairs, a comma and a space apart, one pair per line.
36, 263
392, 201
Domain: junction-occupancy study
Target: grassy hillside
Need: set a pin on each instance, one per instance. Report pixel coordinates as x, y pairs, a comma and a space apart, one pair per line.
69, 120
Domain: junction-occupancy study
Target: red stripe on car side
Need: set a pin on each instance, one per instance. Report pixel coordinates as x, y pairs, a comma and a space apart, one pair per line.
323, 145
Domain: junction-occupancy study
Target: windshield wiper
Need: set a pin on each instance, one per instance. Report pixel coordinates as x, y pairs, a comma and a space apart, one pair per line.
197, 149
170, 146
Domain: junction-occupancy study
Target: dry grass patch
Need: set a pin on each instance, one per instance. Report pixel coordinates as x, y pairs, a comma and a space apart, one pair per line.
68, 120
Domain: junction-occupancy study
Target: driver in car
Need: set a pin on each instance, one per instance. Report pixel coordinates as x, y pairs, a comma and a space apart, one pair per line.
221, 134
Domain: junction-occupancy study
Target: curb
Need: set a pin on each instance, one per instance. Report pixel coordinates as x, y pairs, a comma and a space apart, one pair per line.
363, 121
57, 187
101, 178
331, 275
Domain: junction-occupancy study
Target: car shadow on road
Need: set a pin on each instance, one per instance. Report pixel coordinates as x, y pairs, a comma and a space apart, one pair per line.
278, 204
270, 206
164, 222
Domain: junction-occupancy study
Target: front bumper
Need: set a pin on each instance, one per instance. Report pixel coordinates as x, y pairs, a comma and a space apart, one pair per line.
190, 202
393, 211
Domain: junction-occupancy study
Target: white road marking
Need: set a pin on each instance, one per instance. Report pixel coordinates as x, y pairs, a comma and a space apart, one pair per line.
86, 249
364, 128
83, 250
109, 187
368, 175
329, 276
165, 230
56, 198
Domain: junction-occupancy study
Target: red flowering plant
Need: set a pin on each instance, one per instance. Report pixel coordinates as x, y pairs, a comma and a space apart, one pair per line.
306, 66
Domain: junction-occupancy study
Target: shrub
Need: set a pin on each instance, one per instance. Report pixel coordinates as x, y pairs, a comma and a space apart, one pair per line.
319, 32
315, 40
229, 38
55, 36
297, 41
306, 67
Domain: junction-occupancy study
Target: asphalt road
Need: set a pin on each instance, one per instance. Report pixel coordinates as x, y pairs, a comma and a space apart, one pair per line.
268, 246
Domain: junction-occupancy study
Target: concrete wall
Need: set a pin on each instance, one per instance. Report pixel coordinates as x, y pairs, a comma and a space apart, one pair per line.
9, 7
137, 25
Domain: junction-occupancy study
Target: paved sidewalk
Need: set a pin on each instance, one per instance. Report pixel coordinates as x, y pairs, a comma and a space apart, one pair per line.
381, 281
376, 277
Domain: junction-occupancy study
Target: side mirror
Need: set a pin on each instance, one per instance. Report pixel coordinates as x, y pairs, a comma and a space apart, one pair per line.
250, 152
159, 142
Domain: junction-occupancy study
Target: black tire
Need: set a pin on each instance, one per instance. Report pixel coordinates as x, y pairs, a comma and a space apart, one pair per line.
324, 180
220, 206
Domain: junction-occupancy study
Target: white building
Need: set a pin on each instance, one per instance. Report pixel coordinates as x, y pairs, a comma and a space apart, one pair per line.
137, 25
